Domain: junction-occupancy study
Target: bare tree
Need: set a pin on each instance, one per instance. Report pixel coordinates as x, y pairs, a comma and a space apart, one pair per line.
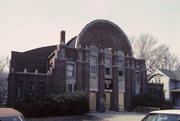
145, 47
154, 61
3, 63
3, 79
168, 61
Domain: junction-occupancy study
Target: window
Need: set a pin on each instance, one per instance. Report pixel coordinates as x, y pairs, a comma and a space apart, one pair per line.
150, 117
41, 88
107, 71
120, 73
70, 70
10, 118
120, 64
107, 66
19, 90
137, 77
93, 64
70, 87
30, 88
107, 61
162, 117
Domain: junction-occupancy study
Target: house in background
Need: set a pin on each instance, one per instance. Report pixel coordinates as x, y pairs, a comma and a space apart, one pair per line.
171, 84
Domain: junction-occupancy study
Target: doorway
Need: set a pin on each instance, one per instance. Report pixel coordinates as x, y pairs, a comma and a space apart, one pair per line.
92, 101
107, 101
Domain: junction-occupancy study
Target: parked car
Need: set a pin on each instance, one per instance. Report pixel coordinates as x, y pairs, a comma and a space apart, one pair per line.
10, 114
163, 115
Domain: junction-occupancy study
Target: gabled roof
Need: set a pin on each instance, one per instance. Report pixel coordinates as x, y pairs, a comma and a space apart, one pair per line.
32, 59
173, 75
152, 76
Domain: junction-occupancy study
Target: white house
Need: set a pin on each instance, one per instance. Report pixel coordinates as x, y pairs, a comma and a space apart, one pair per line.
171, 82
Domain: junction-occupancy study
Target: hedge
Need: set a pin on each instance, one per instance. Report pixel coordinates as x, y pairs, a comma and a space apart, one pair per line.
152, 101
55, 105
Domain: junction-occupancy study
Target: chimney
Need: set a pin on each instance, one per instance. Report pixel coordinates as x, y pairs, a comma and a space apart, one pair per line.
62, 37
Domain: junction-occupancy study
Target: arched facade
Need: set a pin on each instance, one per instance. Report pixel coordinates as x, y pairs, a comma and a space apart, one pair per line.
104, 34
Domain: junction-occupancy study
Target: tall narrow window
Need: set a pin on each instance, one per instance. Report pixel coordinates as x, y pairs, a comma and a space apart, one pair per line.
19, 92
93, 64
137, 77
70, 70
30, 88
41, 88
107, 66
120, 68
120, 64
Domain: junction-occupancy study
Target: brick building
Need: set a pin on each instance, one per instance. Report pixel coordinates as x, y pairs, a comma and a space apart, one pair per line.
99, 60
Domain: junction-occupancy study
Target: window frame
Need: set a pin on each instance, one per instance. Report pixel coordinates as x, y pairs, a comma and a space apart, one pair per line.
41, 88
95, 64
138, 81
108, 65
108, 56
73, 70
19, 89
31, 88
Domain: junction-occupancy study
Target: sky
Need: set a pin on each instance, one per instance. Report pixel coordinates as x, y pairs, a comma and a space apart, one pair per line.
29, 24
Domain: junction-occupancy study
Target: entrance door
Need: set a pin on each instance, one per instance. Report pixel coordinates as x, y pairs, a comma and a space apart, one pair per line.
92, 101
107, 101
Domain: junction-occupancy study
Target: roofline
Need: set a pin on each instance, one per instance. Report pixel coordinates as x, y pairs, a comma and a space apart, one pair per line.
153, 76
105, 21
38, 48
163, 73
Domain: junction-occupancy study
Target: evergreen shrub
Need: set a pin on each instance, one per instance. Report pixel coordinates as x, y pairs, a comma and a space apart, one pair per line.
76, 103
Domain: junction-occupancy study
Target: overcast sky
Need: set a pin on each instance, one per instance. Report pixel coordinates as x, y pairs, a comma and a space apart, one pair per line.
28, 24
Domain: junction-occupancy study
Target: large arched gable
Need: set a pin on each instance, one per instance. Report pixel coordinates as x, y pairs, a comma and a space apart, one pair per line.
104, 34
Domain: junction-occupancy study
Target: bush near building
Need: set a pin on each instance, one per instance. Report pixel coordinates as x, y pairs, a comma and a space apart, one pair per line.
55, 105
152, 101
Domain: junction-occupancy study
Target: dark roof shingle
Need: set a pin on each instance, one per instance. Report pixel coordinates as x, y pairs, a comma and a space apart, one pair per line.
173, 75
